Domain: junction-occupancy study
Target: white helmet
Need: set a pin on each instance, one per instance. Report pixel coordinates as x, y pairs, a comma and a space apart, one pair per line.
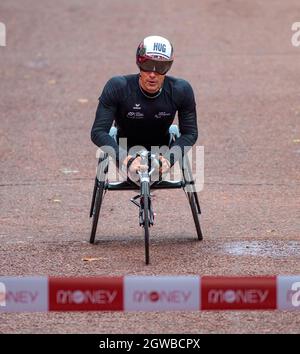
155, 53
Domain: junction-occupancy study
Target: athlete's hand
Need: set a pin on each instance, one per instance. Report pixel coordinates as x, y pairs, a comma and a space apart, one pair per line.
134, 167
161, 167
164, 165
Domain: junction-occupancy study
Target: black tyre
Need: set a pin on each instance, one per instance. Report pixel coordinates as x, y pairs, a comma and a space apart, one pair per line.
145, 196
93, 198
193, 204
96, 209
192, 197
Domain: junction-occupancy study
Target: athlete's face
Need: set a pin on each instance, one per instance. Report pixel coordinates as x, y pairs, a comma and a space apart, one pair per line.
151, 81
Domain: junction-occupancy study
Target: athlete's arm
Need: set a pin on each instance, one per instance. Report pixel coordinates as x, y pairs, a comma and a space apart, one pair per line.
187, 119
105, 115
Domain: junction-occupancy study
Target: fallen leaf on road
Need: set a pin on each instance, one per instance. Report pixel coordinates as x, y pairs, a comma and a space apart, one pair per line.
52, 82
67, 171
91, 259
296, 141
82, 100
269, 231
57, 200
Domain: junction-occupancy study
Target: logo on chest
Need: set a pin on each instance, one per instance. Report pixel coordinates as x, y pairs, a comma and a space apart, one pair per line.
137, 106
160, 115
135, 115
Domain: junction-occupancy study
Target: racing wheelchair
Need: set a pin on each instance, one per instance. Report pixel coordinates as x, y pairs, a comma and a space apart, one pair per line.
144, 185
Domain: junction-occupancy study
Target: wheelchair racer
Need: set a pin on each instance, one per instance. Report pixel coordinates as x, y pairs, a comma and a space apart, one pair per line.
143, 106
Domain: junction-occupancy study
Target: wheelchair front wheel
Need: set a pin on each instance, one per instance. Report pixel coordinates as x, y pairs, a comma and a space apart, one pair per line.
145, 202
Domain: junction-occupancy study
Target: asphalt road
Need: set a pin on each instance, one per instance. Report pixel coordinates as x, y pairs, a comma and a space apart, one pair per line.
245, 72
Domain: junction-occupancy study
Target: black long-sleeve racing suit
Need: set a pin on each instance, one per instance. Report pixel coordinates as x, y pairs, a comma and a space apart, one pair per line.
144, 120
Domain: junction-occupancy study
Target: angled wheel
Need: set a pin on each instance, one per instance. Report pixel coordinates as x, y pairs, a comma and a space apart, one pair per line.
102, 170
93, 198
194, 208
96, 209
192, 196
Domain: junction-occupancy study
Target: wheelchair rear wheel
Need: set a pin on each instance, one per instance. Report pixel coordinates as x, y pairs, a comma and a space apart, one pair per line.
96, 209
194, 208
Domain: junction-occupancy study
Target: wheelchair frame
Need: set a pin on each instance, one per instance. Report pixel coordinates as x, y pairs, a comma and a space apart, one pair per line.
146, 215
